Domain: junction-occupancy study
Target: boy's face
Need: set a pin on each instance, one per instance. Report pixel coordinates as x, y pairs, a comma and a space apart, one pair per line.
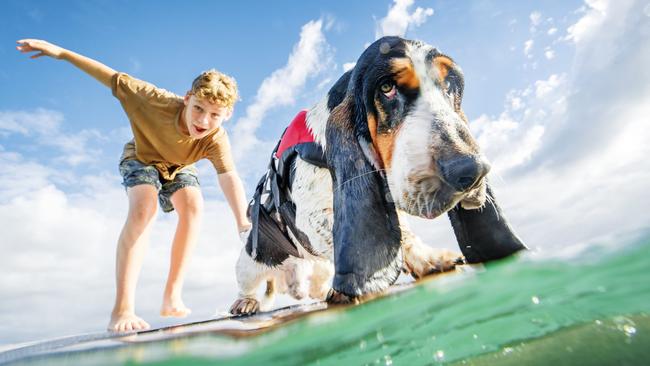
202, 117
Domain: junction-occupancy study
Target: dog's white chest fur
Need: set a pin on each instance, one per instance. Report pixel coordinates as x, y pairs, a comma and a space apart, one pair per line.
312, 194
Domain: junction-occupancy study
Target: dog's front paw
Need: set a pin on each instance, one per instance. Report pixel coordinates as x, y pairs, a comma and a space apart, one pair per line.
338, 298
245, 306
425, 261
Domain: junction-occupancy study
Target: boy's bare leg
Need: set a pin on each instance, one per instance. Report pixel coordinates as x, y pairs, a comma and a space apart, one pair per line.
188, 203
131, 247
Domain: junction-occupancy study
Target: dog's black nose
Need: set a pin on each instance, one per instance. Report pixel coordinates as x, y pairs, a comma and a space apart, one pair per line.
463, 172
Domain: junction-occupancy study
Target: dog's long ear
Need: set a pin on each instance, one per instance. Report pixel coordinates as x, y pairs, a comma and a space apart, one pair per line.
367, 255
484, 234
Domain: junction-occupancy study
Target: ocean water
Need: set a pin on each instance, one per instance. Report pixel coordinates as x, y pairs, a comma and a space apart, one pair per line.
594, 310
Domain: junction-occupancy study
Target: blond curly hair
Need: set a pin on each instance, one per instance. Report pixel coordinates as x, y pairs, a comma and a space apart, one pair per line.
216, 87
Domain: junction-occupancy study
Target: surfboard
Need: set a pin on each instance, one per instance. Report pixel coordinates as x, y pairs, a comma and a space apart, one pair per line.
235, 326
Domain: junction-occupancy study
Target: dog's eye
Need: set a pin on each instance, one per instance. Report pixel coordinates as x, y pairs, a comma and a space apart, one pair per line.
388, 89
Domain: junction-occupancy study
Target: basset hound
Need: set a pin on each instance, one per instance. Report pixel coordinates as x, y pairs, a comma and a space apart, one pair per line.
393, 141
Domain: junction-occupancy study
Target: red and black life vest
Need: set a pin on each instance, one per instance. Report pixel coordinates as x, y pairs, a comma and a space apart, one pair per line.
271, 210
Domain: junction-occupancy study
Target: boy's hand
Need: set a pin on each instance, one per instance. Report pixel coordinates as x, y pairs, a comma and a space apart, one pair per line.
243, 235
42, 47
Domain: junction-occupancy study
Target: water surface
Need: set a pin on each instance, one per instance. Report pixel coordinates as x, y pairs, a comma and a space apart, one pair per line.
595, 310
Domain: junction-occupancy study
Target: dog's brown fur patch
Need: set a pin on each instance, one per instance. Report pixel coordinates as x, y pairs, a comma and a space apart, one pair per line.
340, 115
442, 64
404, 72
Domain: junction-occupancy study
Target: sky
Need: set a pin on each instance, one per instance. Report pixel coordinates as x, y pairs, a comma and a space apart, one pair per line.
557, 94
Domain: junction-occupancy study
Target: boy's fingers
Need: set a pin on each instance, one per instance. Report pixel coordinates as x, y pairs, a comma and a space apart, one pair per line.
25, 49
23, 44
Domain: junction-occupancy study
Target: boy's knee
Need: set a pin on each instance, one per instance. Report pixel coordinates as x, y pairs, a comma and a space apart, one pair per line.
188, 203
143, 212
194, 206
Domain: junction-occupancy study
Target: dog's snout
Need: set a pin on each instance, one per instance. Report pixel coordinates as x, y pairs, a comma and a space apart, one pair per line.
464, 172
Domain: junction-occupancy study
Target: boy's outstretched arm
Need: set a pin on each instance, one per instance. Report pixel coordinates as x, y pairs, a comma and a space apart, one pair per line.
96, 69
233, 189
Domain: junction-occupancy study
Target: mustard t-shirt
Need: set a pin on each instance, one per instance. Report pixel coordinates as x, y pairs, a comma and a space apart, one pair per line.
154, 114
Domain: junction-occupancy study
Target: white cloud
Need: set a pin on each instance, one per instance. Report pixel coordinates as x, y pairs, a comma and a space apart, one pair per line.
505, 141
552, 31
528, 47
597, 96
581, 170
514, 137
348, 66
399, 19
44, 126
516, 103
535, 19
596, 15
41, 121
544, 87
310, 56
549, 54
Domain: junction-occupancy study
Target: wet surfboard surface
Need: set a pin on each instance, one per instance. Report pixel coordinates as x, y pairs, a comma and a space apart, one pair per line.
232, 326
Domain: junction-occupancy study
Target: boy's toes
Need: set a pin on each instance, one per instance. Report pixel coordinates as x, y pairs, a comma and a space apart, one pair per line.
245, 306
127, 323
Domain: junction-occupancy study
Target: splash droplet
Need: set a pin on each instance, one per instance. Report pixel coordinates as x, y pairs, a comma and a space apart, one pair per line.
439, 355
388, 360
629, 330
625, 325
380, 337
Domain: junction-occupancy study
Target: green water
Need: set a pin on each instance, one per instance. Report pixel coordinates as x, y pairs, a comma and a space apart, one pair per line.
595, 311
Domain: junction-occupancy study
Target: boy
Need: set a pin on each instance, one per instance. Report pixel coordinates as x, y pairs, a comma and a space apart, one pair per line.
170, 134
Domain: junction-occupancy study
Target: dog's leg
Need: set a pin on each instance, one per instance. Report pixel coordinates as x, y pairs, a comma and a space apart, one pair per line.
250, 275
321, 279
269, 294
312, 193
296, 274
420, 259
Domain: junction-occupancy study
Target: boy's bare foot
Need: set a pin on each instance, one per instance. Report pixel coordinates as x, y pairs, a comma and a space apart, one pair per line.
173, 306
127, 322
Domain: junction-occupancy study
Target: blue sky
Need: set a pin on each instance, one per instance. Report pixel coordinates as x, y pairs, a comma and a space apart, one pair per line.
557, 94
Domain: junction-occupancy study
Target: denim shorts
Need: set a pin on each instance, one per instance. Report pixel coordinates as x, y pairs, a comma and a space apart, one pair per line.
135, 173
